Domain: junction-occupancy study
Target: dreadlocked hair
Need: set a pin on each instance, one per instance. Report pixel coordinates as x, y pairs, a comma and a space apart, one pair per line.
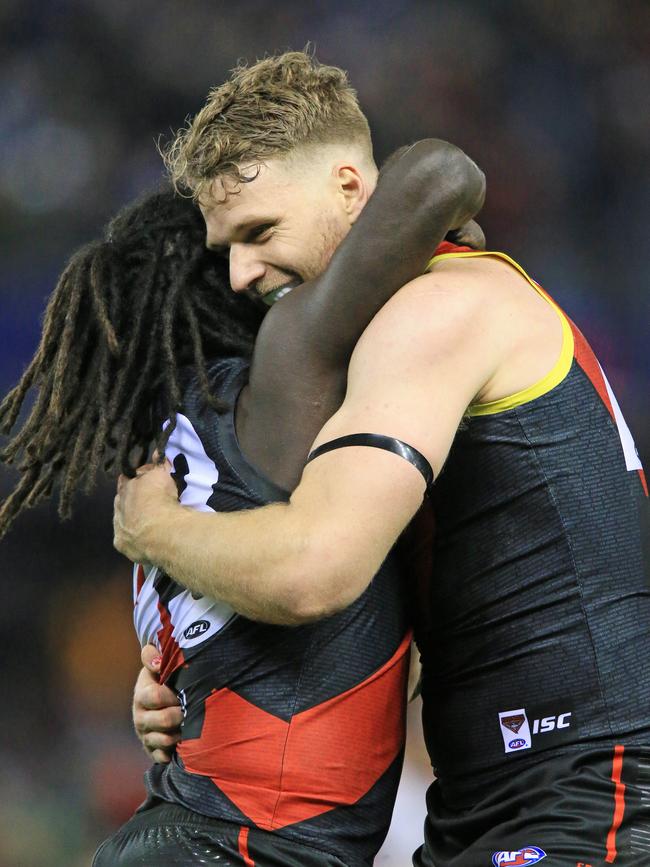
127, 314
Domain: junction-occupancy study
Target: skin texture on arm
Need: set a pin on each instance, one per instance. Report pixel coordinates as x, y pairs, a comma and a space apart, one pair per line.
299, 366
417, 367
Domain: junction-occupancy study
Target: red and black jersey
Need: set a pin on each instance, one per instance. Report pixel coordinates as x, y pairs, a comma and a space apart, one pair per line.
298, 731
538, 636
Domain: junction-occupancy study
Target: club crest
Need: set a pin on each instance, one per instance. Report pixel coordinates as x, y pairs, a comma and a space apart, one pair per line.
514, 723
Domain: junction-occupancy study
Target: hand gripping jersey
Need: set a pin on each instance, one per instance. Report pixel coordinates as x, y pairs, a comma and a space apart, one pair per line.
538, 636
294, 730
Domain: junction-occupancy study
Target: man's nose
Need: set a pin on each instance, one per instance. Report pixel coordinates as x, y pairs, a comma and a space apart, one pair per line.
245, 267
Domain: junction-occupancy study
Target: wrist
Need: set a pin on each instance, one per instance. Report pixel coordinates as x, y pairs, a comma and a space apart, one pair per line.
157, 532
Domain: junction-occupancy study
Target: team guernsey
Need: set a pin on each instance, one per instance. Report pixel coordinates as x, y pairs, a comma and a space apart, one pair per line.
536, 644
293, 731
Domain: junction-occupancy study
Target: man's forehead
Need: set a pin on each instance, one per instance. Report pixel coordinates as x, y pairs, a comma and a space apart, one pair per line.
226, 193
231, 207
223, 196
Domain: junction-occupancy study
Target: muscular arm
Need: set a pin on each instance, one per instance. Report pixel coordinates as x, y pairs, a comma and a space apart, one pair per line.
415, 370
299, 367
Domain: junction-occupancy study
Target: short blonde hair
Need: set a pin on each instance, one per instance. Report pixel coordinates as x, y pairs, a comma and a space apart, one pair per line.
266, 110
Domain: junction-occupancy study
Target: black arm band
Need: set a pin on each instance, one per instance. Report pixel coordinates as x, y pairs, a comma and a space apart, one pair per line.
378, 441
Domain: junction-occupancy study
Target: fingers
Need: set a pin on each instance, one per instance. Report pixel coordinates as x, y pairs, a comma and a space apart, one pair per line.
123, 480
159, 732
165, 721
160, 757
157, 716
153, 741
468, 235
144, 680
155, 707
154, 697
474, 236
151, 658
150, 695
161, 749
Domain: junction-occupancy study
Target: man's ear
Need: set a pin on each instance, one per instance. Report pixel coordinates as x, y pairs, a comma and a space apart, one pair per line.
353, 189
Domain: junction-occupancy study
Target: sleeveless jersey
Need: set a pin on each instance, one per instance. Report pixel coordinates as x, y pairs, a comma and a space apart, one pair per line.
298, 731
538, 636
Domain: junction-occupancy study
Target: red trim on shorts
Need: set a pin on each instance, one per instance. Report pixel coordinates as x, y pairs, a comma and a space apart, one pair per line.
243, 846
619, 803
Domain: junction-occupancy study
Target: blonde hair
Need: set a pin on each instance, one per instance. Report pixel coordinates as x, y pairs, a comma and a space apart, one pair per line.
266, 110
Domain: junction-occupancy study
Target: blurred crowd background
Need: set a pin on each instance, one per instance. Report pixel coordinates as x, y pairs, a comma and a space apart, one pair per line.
550, 98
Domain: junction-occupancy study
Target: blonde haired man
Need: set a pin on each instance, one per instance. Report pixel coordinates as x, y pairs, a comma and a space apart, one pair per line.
535, 630
279, 159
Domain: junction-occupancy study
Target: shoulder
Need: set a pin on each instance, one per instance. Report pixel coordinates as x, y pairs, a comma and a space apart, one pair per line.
477, 322
460, 305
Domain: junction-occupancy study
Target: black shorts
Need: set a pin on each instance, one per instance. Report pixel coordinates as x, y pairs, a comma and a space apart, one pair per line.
164, 835
585, 809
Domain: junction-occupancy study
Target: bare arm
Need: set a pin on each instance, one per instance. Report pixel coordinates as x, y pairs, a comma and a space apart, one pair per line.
303, 349
415, 370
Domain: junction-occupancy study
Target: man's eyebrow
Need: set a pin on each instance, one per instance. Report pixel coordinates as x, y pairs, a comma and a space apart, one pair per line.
242, 229
245, 226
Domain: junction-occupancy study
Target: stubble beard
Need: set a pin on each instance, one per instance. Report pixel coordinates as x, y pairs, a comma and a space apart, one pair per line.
328, 237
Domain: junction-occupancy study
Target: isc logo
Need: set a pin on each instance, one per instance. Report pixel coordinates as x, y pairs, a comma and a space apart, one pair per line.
197, 628
518, 857
550, 723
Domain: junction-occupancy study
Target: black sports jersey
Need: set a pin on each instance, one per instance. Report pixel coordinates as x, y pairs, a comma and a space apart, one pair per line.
538, 641
294, 730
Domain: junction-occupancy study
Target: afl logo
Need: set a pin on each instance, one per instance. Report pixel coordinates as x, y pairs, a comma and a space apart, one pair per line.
197, 628
517, 744
518, 858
